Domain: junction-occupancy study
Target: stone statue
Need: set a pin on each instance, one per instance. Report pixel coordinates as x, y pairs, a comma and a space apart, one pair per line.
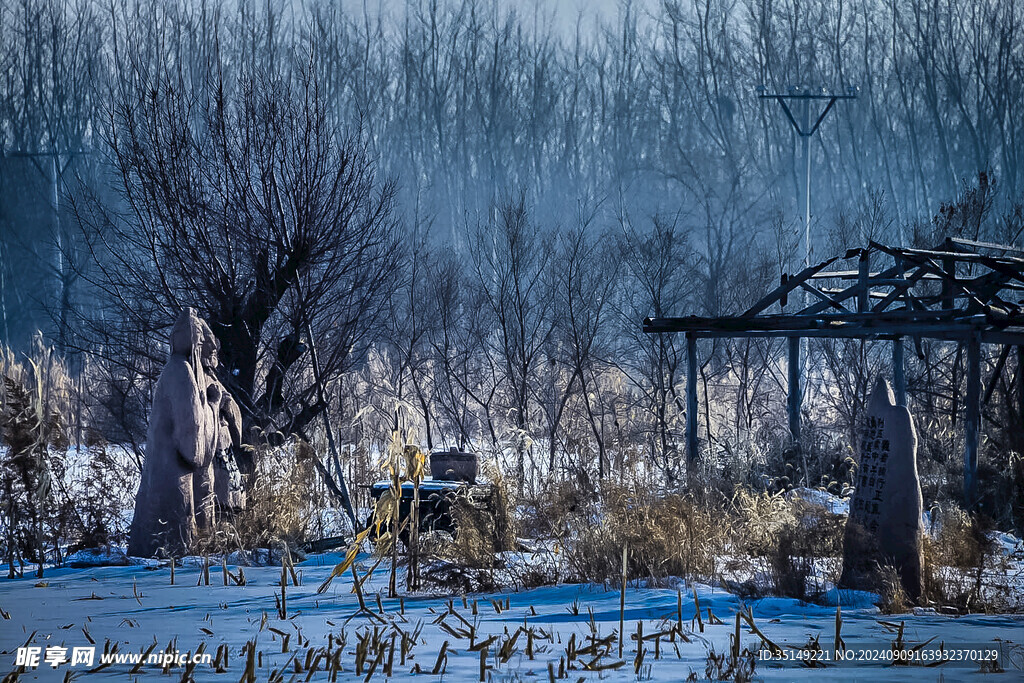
218, 483
884, 527
213, 391
177, 444
228, 484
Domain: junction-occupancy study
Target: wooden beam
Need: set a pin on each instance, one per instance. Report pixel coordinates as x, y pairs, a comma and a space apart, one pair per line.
899, 379
793, 402
786, 287
985, 245
1000, 364
854, 274
972, 423
850, 332
832, 291
901, 288
799, 322
692, 443
949, 268
954, 284
960, 256
824, 297
926, 259
851, 291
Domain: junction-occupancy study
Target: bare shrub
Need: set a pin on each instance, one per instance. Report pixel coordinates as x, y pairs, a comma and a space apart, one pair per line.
784, 538
546, 514
104, 487
669, 535
963, 569
282, 499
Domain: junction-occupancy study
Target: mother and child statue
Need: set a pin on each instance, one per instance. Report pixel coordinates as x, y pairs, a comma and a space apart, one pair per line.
190, 476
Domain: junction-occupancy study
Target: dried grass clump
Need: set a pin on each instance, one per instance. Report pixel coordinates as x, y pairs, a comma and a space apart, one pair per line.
34, 405
963, 569
961, 540
465, 561
784, 539
545, 516
483, 527
894, 599
670, 535
281, 501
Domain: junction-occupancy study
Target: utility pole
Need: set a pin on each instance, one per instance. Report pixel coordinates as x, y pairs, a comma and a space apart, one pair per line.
805, 131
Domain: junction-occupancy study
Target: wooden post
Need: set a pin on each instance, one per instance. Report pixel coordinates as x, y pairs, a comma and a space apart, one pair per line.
863, 272
899, 379
972, 421
691, 404
949, 268
794, 389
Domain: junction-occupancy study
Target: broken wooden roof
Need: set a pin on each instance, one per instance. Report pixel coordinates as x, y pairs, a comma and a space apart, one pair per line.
961, 290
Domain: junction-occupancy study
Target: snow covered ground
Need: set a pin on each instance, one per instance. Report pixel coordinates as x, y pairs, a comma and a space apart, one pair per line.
135, 607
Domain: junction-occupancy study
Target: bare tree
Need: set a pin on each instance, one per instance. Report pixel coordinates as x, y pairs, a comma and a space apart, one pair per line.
588, 276
657, 277
467, 379
510, 260
241, 196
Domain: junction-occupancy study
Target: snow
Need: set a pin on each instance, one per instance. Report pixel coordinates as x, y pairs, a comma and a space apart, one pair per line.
132, 605
97, 557
1009, 545
847, 598
832, 503
427, 485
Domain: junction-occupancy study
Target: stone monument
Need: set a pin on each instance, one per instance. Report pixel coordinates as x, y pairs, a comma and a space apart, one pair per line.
884, 527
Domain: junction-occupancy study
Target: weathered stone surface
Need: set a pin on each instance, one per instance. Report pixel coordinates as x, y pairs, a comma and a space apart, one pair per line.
203, 481
180, 427
221, 480
228, 483
884, 527
218, 485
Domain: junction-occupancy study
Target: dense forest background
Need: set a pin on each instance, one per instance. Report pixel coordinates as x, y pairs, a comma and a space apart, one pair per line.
451, 217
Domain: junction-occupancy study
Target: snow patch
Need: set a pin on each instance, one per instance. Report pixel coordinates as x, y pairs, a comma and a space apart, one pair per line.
849, 598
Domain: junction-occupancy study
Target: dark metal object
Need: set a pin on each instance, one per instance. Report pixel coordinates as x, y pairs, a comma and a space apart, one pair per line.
322, 545
454, 465
805, 131
436, 501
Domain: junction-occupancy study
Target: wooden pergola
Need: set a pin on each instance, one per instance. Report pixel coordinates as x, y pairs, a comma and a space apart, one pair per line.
963, 291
